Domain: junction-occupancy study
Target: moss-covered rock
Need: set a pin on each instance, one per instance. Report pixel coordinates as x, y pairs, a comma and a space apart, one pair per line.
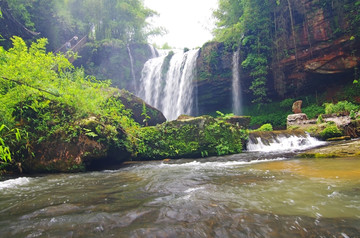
135, 104
336, 150
93, 144
190, 137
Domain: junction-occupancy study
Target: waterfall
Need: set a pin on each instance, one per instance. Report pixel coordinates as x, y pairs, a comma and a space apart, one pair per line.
236, 87
168, 85
153, 51
284, 141
132, 67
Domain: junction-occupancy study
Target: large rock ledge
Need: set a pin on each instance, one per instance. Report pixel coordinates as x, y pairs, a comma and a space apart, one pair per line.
335, 150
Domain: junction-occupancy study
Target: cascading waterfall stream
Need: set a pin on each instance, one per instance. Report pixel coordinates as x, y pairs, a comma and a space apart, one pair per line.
154, 52
168, 86
132, 67
270, 142
236, 86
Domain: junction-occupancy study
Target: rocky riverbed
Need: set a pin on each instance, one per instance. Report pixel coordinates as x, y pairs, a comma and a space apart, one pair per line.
335, 150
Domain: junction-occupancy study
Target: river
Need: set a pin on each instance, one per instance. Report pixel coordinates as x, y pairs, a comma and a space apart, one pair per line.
253, 194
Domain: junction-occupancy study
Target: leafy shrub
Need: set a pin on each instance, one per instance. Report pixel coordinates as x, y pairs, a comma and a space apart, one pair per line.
330, 131
265, 127
287, 103
313, 110
320, 119
352, 115
340, 107
44, 96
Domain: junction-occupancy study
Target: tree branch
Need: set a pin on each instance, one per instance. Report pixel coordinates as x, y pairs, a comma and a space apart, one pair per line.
22, 83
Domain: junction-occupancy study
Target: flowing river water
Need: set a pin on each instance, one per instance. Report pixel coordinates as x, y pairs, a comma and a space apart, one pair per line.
254, 194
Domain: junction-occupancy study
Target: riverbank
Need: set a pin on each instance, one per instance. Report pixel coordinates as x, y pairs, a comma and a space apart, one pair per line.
334, 150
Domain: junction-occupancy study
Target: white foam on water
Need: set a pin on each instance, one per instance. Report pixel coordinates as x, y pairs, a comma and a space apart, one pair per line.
217, 164
11, 183
285, 143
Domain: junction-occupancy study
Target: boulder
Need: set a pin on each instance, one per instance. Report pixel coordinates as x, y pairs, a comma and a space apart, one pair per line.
135, 103
297, 119
296, 107
190, 138
239, 121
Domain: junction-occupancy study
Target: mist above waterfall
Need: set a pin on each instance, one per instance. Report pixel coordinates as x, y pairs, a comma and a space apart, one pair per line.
167, 83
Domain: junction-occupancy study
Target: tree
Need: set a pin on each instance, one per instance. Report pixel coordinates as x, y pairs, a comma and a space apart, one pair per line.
60, 20
247, 23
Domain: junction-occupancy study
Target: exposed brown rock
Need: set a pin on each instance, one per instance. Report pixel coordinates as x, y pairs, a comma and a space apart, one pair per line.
296, 107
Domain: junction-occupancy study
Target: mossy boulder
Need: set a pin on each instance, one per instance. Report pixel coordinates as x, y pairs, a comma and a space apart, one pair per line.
94, 145
135, 104
191, 137
240, 121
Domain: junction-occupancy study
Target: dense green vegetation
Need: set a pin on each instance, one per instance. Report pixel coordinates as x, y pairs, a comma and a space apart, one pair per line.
45, 100
201, 136
60, 20
266, 33
246, 24
275, 113
44, 97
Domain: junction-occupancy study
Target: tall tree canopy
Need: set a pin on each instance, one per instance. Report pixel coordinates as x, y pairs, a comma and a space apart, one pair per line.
59, 20
247, 24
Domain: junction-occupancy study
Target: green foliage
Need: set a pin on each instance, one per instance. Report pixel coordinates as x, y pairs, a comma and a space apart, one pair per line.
287, 103
352, 115
268, 113
59, 20
330, 131
5, 154
248, 23
313, 110
144, 113
224, 116
340, 107
320, 119
265, 127
202, 136
10, 138
46, 98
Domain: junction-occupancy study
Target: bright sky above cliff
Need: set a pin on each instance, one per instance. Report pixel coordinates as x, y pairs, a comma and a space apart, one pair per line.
189, 22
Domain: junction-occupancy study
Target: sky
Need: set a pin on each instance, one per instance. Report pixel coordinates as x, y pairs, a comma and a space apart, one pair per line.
188, 22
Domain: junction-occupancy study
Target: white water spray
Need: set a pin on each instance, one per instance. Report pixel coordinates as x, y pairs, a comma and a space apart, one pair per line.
283, 142
169, 87
236, 86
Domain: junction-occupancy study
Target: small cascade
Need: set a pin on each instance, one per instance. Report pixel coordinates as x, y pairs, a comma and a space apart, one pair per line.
277, 142
167, 83
236, 86
132, 66
153, 51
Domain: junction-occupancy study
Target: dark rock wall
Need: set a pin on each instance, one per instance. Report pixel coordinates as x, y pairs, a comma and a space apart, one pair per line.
324, 51
213, 81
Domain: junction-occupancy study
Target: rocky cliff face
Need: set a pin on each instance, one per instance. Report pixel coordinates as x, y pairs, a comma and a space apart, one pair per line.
319, 56
325, 50
214, 73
